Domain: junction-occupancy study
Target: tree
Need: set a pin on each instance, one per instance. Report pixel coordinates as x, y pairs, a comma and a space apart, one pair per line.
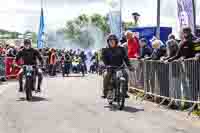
31, 35
100, 22
77, 29
34, 37
127, 25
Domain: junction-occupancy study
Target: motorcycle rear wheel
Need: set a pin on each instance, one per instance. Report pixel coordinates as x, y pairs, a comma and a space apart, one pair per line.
121, 96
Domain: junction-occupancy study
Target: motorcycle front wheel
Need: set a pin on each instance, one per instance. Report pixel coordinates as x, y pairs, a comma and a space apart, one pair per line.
110, 97
121, 96
29, 86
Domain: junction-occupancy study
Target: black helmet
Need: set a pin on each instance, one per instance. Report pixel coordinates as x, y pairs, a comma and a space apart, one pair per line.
112, 37
27, 42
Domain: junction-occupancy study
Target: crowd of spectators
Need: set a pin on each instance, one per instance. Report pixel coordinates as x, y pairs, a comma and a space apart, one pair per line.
52, 57
137, 48
141, 48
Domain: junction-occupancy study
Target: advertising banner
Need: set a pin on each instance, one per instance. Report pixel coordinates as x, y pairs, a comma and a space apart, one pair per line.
185, 13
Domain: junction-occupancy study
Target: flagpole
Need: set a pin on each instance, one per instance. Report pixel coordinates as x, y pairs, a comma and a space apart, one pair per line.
194, 14
121, 18
158, 20
41, 3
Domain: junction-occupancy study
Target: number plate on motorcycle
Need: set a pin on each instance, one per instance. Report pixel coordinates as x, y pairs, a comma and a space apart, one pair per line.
119, 74
29, 68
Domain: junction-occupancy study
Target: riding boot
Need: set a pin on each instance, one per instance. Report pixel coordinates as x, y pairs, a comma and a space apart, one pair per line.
39, 82
21, 82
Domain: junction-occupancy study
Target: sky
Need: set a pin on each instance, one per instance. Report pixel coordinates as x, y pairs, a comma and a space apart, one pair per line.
22, 15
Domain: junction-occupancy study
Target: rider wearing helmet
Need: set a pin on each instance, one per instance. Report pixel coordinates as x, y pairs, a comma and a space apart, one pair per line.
114, 55
29, 56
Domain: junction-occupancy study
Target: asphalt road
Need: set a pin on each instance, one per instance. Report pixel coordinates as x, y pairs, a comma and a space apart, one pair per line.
73, 105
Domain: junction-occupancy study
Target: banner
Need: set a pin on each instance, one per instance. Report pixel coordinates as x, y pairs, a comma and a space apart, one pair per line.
114, 17
40, 40
10, 70
185, 13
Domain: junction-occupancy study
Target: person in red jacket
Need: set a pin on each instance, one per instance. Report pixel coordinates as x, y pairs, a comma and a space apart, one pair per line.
133, 45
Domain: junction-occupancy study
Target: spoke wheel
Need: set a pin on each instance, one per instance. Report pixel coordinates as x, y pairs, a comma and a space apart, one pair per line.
121, 96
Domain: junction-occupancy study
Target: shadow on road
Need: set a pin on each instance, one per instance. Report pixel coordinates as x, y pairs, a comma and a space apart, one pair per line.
70, 76
34, 99
126, 109
73, 76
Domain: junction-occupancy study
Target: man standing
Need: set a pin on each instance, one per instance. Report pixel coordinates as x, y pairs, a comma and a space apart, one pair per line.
133, 45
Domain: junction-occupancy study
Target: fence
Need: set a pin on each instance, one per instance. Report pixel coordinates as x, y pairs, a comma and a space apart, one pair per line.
176, 81
2, 68
7, 70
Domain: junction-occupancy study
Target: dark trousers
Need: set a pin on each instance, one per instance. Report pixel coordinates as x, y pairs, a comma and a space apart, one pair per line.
107, 81
52, 70
37, 74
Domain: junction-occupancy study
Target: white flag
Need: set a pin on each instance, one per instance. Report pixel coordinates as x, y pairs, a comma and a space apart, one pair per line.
185, 13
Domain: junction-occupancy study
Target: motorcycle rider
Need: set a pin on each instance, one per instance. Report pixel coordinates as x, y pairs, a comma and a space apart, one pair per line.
29, 56
114, 55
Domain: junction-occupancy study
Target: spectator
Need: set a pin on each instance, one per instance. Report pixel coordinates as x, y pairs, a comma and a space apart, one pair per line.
52, 62
186, 45
196, 48
1, 50
133, 45
159, 50
145, 51
171, 37
172, 47
11, 51
123, 43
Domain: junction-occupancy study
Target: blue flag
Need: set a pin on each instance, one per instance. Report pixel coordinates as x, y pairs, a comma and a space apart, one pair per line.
40, 39
114, 17
115, 23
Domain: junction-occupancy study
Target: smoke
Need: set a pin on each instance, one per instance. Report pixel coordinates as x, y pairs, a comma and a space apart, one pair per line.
91, 38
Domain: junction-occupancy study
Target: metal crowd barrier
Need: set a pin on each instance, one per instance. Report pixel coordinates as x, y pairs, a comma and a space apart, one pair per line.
176, 81
2, 68
137, 76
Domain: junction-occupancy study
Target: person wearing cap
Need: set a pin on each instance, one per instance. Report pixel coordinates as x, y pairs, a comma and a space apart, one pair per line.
145, 51
172, 47
29, 56
185, 50
116, 56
